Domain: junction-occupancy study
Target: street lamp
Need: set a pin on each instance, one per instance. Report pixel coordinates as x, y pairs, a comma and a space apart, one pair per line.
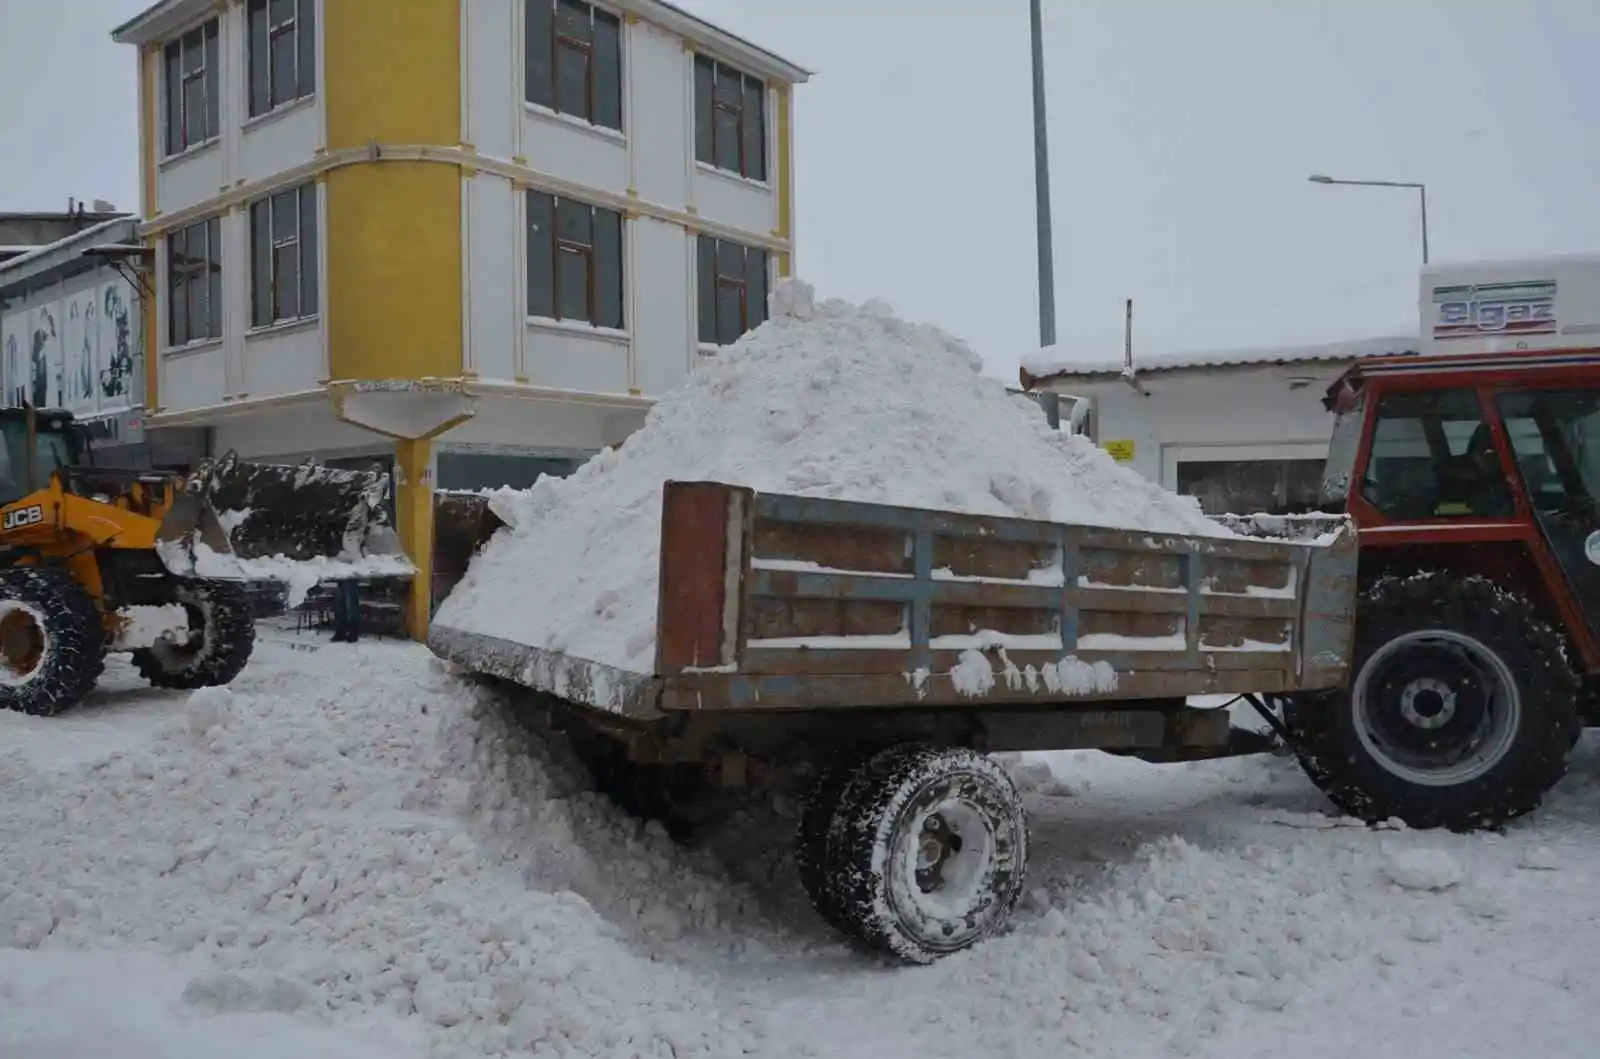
1421, 189
1041, 186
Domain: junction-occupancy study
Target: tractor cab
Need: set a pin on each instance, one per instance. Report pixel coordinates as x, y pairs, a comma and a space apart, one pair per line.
34, 444
1498, 452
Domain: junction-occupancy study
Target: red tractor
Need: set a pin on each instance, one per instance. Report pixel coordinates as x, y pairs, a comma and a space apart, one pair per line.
1475, 483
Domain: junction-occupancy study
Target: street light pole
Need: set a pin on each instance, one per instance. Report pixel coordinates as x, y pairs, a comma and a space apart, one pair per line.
1421, 189
1041, 188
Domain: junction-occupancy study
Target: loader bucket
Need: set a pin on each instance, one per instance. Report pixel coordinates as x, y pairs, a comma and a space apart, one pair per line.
297, 512
266, 511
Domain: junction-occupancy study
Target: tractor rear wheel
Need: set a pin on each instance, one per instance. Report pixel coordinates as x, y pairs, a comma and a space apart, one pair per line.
1460, 711
222, 633
52, 641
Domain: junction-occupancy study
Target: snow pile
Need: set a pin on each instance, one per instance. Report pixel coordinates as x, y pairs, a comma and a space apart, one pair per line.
826, 399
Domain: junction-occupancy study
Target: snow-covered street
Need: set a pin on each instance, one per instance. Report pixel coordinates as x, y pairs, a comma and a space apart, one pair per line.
354, 853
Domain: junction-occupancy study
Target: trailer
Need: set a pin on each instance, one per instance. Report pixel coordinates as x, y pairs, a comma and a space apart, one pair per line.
870, 657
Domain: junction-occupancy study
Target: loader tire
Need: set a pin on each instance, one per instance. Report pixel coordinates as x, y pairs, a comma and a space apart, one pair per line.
929, 851
222, 633
52, 641
1460, 711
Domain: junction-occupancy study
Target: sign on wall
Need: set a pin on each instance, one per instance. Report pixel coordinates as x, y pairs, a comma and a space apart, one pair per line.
79, 351
1477, 310
1120, 450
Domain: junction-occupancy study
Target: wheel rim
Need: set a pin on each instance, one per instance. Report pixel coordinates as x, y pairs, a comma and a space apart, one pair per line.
23, 644
947, 849
177, 655
1436, 708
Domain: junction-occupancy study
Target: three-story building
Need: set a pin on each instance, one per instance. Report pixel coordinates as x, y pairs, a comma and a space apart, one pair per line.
469, 239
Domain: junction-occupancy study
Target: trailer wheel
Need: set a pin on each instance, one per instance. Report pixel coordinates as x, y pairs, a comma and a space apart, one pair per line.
1460, 713
812, 856
928, 851
222, 635
52, 642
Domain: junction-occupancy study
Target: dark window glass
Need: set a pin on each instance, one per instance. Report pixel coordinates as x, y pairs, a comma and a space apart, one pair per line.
306, 43
572, 283
213, 81
1433, 456
572, 80
541, 254
178, 287
283, 52
732, 281
214, 275
574, 261
756, 282
705, 77
260, 59
574, 60
283, 256
173, 58
706, 284
540, 47
753, 156
194, 282
308, 249
261, 262
730, 119
608, 268
605, 68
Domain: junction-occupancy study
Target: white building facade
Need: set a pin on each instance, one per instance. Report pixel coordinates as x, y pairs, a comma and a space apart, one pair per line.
475, 246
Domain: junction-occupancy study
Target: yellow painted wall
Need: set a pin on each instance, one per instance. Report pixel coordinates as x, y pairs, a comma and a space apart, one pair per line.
785, 182
393, 76
393, 71
414, 525
394, 271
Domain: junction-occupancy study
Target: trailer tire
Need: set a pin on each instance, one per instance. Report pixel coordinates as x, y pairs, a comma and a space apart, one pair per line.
1460, 711
52, 641
813, 857
214, 656
909, 815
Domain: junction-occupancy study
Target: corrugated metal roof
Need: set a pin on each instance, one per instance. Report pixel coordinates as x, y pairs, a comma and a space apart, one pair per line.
1049, 364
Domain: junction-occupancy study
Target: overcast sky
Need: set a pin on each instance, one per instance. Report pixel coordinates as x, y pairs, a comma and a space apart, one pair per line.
1181, 136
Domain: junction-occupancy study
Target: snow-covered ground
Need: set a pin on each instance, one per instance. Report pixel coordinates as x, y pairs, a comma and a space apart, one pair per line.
353, 853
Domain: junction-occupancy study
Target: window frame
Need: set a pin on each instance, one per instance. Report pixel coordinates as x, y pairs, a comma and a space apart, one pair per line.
543, 93
209, 35
308, 274
720, 280
204, 271
301, 30
1441, 409
706, 107
596, 271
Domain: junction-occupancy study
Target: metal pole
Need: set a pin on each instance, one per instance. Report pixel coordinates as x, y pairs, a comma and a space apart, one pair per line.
1423, 191
1041, 186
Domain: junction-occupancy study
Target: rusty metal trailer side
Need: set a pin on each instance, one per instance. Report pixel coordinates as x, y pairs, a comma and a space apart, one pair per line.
783, 602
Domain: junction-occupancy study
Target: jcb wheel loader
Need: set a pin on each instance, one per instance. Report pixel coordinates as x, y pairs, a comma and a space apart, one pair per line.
95, 560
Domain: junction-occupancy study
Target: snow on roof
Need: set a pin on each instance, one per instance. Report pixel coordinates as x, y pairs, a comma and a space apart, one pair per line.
1051, 363
35, 252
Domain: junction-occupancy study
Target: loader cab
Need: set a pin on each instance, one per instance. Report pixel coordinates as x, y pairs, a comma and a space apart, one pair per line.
34, 444
1491, 461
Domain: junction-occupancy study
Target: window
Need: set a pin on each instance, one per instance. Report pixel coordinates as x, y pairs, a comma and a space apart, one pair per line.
574, 261
574, 60
283, 256
1235, 487
283, 52
730, 119
194, 283
1434, 457
732, 282
194, 102
1555, 436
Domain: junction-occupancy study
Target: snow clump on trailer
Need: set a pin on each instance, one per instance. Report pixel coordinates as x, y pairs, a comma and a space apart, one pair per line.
826, 399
